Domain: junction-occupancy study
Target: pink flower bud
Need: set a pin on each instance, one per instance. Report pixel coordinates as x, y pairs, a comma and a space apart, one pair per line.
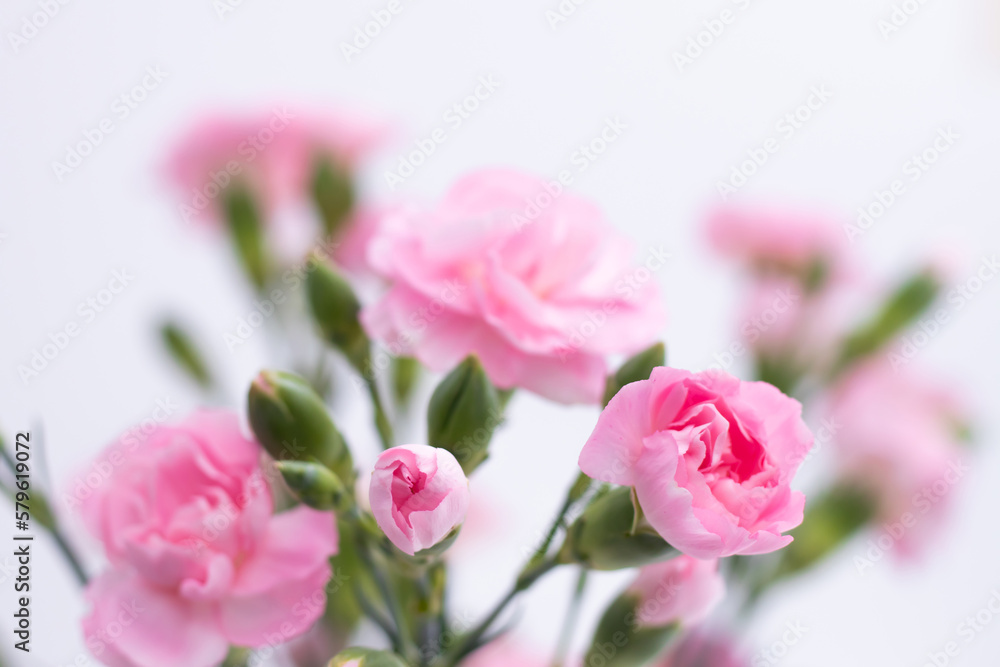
418, 495
681, 590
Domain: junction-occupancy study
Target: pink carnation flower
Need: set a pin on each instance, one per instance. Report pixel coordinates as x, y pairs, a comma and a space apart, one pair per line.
774, 240
271, 153
711, 459
897, 435
199, 560
527, 277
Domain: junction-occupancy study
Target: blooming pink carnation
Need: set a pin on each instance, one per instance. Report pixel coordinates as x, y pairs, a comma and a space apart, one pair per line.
771, 239
711, 459
272, 153
199, 560
897, 434
681, 590
529, 278
418, 495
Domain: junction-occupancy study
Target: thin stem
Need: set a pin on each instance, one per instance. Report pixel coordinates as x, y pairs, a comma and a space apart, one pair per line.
382, 423
572, 615
54, 530
427, 627
71, 558
374, 614
468, 642
576, 492
392, 604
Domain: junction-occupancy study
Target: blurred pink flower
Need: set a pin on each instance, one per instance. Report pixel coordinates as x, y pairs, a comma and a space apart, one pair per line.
701, 649
418, 495
529, 278
773, 240
504, 653
782, 321
199, 560
272, 153
681, 590
350, 246
897, 434
711, 459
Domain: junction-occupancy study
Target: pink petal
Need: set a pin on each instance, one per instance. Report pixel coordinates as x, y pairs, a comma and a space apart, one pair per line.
132, 624
614, 448
280, 589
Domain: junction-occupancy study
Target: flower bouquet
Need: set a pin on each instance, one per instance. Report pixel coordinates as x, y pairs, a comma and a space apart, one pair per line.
248, 534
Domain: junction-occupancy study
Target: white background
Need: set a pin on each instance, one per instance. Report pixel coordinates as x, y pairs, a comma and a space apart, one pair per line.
686, 130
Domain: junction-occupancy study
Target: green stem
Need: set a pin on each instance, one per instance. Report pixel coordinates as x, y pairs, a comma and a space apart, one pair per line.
397, 634
403, 646
468, 642
427, 627
375, 615
382, 423
572, 615
71, 558
576, 492
51, 525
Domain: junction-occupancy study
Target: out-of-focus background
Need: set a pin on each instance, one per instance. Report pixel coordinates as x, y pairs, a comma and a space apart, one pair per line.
884, 77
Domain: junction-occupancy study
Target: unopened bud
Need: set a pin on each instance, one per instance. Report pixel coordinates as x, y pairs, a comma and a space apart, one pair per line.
635, 369
247, 233
292, 423
335, 310
333, 193
607, 536
314, 485
463, 413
